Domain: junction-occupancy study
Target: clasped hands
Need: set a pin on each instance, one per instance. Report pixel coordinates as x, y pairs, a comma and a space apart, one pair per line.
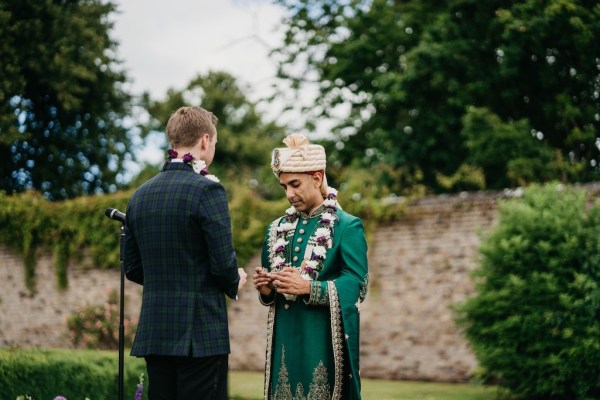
286, 281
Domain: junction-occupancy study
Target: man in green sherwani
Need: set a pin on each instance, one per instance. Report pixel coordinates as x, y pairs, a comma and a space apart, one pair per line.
313, 277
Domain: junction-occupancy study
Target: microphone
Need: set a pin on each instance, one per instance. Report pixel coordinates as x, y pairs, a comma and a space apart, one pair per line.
115, 214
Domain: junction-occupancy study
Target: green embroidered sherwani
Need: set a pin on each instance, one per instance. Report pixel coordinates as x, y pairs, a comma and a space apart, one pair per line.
313, 340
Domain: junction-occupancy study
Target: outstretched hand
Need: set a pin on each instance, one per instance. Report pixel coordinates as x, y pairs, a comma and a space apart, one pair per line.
243, 276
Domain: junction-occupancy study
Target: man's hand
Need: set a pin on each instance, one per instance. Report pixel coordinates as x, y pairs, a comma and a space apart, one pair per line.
262, 282
243, 275
289, 281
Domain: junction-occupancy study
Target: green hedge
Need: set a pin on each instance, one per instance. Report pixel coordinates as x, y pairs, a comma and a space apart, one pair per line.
534, 322
74, 374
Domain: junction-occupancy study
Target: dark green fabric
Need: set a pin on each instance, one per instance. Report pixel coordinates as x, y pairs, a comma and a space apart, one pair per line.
302, 329
178, 245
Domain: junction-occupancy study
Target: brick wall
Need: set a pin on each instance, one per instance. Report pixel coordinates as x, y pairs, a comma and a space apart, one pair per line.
419, 267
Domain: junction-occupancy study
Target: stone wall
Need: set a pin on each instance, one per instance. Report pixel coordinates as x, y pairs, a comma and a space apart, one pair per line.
419, 267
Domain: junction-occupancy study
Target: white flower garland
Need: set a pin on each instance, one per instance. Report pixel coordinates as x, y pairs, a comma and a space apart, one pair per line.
318, 243
199, 166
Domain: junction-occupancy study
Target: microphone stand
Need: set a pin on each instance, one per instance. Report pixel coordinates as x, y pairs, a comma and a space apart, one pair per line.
121, 311
118, 216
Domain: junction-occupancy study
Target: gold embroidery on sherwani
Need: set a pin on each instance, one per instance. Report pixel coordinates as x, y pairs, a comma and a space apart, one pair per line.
300, 392
270, 325
284, 391
319, 386
337, 338
363, 288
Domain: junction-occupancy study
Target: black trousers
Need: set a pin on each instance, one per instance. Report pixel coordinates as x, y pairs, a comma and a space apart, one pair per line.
187, 378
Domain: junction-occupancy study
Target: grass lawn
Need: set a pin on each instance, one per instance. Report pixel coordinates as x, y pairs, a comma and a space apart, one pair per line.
249, 386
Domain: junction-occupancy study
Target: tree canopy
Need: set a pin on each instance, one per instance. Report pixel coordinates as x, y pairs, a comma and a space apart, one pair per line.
244, 139
62, 102
454, 94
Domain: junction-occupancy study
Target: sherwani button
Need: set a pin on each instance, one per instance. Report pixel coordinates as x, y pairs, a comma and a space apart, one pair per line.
302, 231
304, 222
299, 240
295, 258
297, 249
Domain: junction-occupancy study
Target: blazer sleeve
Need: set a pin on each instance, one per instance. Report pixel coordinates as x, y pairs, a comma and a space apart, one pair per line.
216, 228
132, 260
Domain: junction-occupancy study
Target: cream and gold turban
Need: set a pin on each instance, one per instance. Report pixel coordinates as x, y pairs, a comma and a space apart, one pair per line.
299, 156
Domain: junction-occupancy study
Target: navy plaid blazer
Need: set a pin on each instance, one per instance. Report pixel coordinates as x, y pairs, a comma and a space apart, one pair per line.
178, 246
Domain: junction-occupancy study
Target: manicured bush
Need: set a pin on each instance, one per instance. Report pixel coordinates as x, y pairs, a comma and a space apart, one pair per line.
534, 322
96, 327
74, 374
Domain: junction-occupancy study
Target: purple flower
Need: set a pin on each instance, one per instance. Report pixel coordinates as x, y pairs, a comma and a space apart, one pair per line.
139, 391
204, 171
316, 257
279, 249
172, 154
322, 239
140, 388
188, 158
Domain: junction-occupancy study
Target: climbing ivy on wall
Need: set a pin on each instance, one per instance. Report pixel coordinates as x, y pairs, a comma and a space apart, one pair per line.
30, 225
77, 230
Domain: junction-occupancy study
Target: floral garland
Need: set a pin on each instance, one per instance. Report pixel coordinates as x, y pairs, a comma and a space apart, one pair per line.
318, 243
199, 166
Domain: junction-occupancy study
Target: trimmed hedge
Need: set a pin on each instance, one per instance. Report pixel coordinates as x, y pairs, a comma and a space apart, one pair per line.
74, 374
534, 322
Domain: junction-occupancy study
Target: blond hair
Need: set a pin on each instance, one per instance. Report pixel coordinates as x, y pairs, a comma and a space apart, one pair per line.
188, 124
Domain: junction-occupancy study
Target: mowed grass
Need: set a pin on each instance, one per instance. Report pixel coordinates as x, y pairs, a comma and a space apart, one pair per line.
249, 386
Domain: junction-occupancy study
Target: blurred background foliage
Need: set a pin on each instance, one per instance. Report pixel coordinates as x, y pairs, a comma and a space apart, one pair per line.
456, 94
438, 96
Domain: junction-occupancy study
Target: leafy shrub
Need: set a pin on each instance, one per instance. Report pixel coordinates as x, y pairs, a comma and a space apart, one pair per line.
97, 327
74, 374
534, 322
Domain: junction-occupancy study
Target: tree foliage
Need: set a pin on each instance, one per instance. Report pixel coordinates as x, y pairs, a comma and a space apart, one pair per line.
534, 322
61, 98
245, 141
418, 75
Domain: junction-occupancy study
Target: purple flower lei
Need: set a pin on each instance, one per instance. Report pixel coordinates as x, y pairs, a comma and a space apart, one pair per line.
188, 159
327, 221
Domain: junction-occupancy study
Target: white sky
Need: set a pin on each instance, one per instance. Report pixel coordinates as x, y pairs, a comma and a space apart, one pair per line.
165, 44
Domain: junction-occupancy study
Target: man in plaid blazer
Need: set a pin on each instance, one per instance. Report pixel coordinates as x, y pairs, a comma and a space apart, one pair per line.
178, 246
